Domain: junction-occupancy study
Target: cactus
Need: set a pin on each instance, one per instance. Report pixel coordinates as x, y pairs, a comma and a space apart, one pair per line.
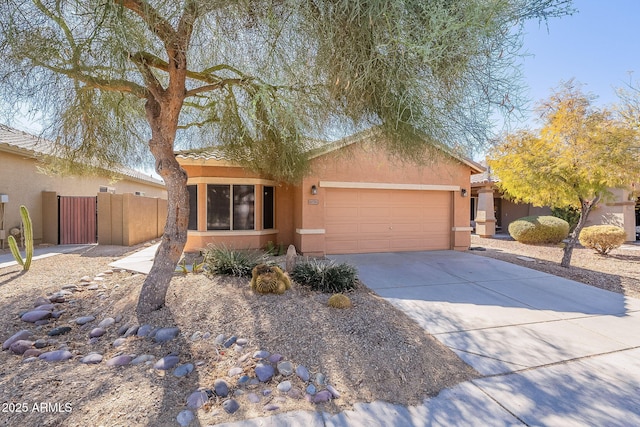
269, 280
339, 301
28, 240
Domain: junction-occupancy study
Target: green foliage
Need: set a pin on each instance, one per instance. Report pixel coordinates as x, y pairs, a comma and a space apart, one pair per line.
539, 229
269, 279
261, 74
570, 214
223, 260
339, 301
325, 276
602, 238
27, 228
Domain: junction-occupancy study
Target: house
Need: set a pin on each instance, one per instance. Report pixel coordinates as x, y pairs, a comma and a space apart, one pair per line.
355, 199
491, 212
58, 204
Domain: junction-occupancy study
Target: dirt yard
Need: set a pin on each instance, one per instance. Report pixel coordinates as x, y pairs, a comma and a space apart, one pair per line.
369, 352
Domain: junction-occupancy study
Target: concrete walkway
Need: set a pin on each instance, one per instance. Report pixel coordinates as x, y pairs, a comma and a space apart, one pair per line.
139, 262
7, 260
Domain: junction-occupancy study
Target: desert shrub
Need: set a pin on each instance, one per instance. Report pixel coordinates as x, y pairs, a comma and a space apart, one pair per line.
602, 238
339, 301
233, 262
539, 229
325, 276
569, 214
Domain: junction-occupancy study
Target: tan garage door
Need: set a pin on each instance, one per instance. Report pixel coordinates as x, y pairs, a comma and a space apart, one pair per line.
363, 220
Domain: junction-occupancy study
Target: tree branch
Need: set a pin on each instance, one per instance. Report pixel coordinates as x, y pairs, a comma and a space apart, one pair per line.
155, 22
215, 86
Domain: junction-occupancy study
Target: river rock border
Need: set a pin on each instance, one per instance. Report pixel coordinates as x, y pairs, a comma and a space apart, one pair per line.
264, 378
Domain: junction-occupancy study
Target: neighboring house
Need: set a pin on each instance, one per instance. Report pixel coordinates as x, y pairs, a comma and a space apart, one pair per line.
491, 212
355, 199
23, 183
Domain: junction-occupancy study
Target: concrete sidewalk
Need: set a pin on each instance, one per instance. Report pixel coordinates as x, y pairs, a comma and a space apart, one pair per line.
7, 260
140, 261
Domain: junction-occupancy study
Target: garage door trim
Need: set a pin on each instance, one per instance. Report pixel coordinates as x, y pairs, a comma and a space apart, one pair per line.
387, 186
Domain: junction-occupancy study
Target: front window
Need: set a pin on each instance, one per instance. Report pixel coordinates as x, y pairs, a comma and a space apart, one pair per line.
230, 207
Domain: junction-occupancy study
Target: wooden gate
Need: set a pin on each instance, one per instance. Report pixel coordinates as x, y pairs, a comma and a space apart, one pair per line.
77, 222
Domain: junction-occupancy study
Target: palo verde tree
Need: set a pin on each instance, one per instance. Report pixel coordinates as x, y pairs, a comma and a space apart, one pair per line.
113, 77
575, 159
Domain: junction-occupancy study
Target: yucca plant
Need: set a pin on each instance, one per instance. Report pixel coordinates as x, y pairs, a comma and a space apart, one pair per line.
325, 276
232, 262
27, 233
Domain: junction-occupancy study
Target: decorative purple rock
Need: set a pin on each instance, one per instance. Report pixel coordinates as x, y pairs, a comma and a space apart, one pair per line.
96, 332
262, 354
303, 373
275, 358
122, 360
264, 372
106, 322
56, 355
142, 359
197, 399
333, 391
185, 417
92, 358
35, 315
42, 322
322, 396
183, 370
285, 368
84, 319
228, 343
119, 341
144, 330
20, 335
230, 406
166, 362
221, 388
166, 334
32, 352
284, 386
45, 307
253, 398
20, 346
41, 301
271, 407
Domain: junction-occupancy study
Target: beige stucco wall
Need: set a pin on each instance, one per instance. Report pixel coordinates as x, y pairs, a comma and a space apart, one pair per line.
617, 210
299, 217
21, 180
127, 219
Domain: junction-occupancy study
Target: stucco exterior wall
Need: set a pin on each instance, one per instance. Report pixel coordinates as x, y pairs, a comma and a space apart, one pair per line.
21, 180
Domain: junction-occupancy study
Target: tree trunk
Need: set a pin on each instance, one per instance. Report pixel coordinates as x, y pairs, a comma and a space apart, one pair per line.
154, 290
585, 208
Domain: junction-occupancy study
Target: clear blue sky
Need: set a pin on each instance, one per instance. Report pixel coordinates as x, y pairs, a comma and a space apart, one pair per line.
598, 46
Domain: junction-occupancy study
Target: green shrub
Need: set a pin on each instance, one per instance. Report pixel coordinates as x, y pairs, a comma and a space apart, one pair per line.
539, 229
569, 214
222, 260
325, 276
602, 238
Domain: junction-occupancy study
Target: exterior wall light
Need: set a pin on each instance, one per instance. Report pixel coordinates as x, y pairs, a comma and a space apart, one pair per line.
463, 192
314, 190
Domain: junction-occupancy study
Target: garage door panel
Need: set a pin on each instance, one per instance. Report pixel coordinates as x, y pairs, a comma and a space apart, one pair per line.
387, 220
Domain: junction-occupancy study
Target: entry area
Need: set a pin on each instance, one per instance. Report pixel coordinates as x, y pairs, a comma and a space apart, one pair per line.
376, 220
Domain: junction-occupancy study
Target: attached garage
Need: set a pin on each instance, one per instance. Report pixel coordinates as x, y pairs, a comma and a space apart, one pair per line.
355, 198
379, 220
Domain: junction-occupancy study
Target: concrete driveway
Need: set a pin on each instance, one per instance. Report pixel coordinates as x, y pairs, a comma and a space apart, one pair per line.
551, 351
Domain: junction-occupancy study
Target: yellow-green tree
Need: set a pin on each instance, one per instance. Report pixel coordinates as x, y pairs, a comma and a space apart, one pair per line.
574, 159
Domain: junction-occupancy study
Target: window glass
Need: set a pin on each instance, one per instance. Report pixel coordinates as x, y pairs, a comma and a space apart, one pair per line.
267, 208
218, 207
193, 207
243, 207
